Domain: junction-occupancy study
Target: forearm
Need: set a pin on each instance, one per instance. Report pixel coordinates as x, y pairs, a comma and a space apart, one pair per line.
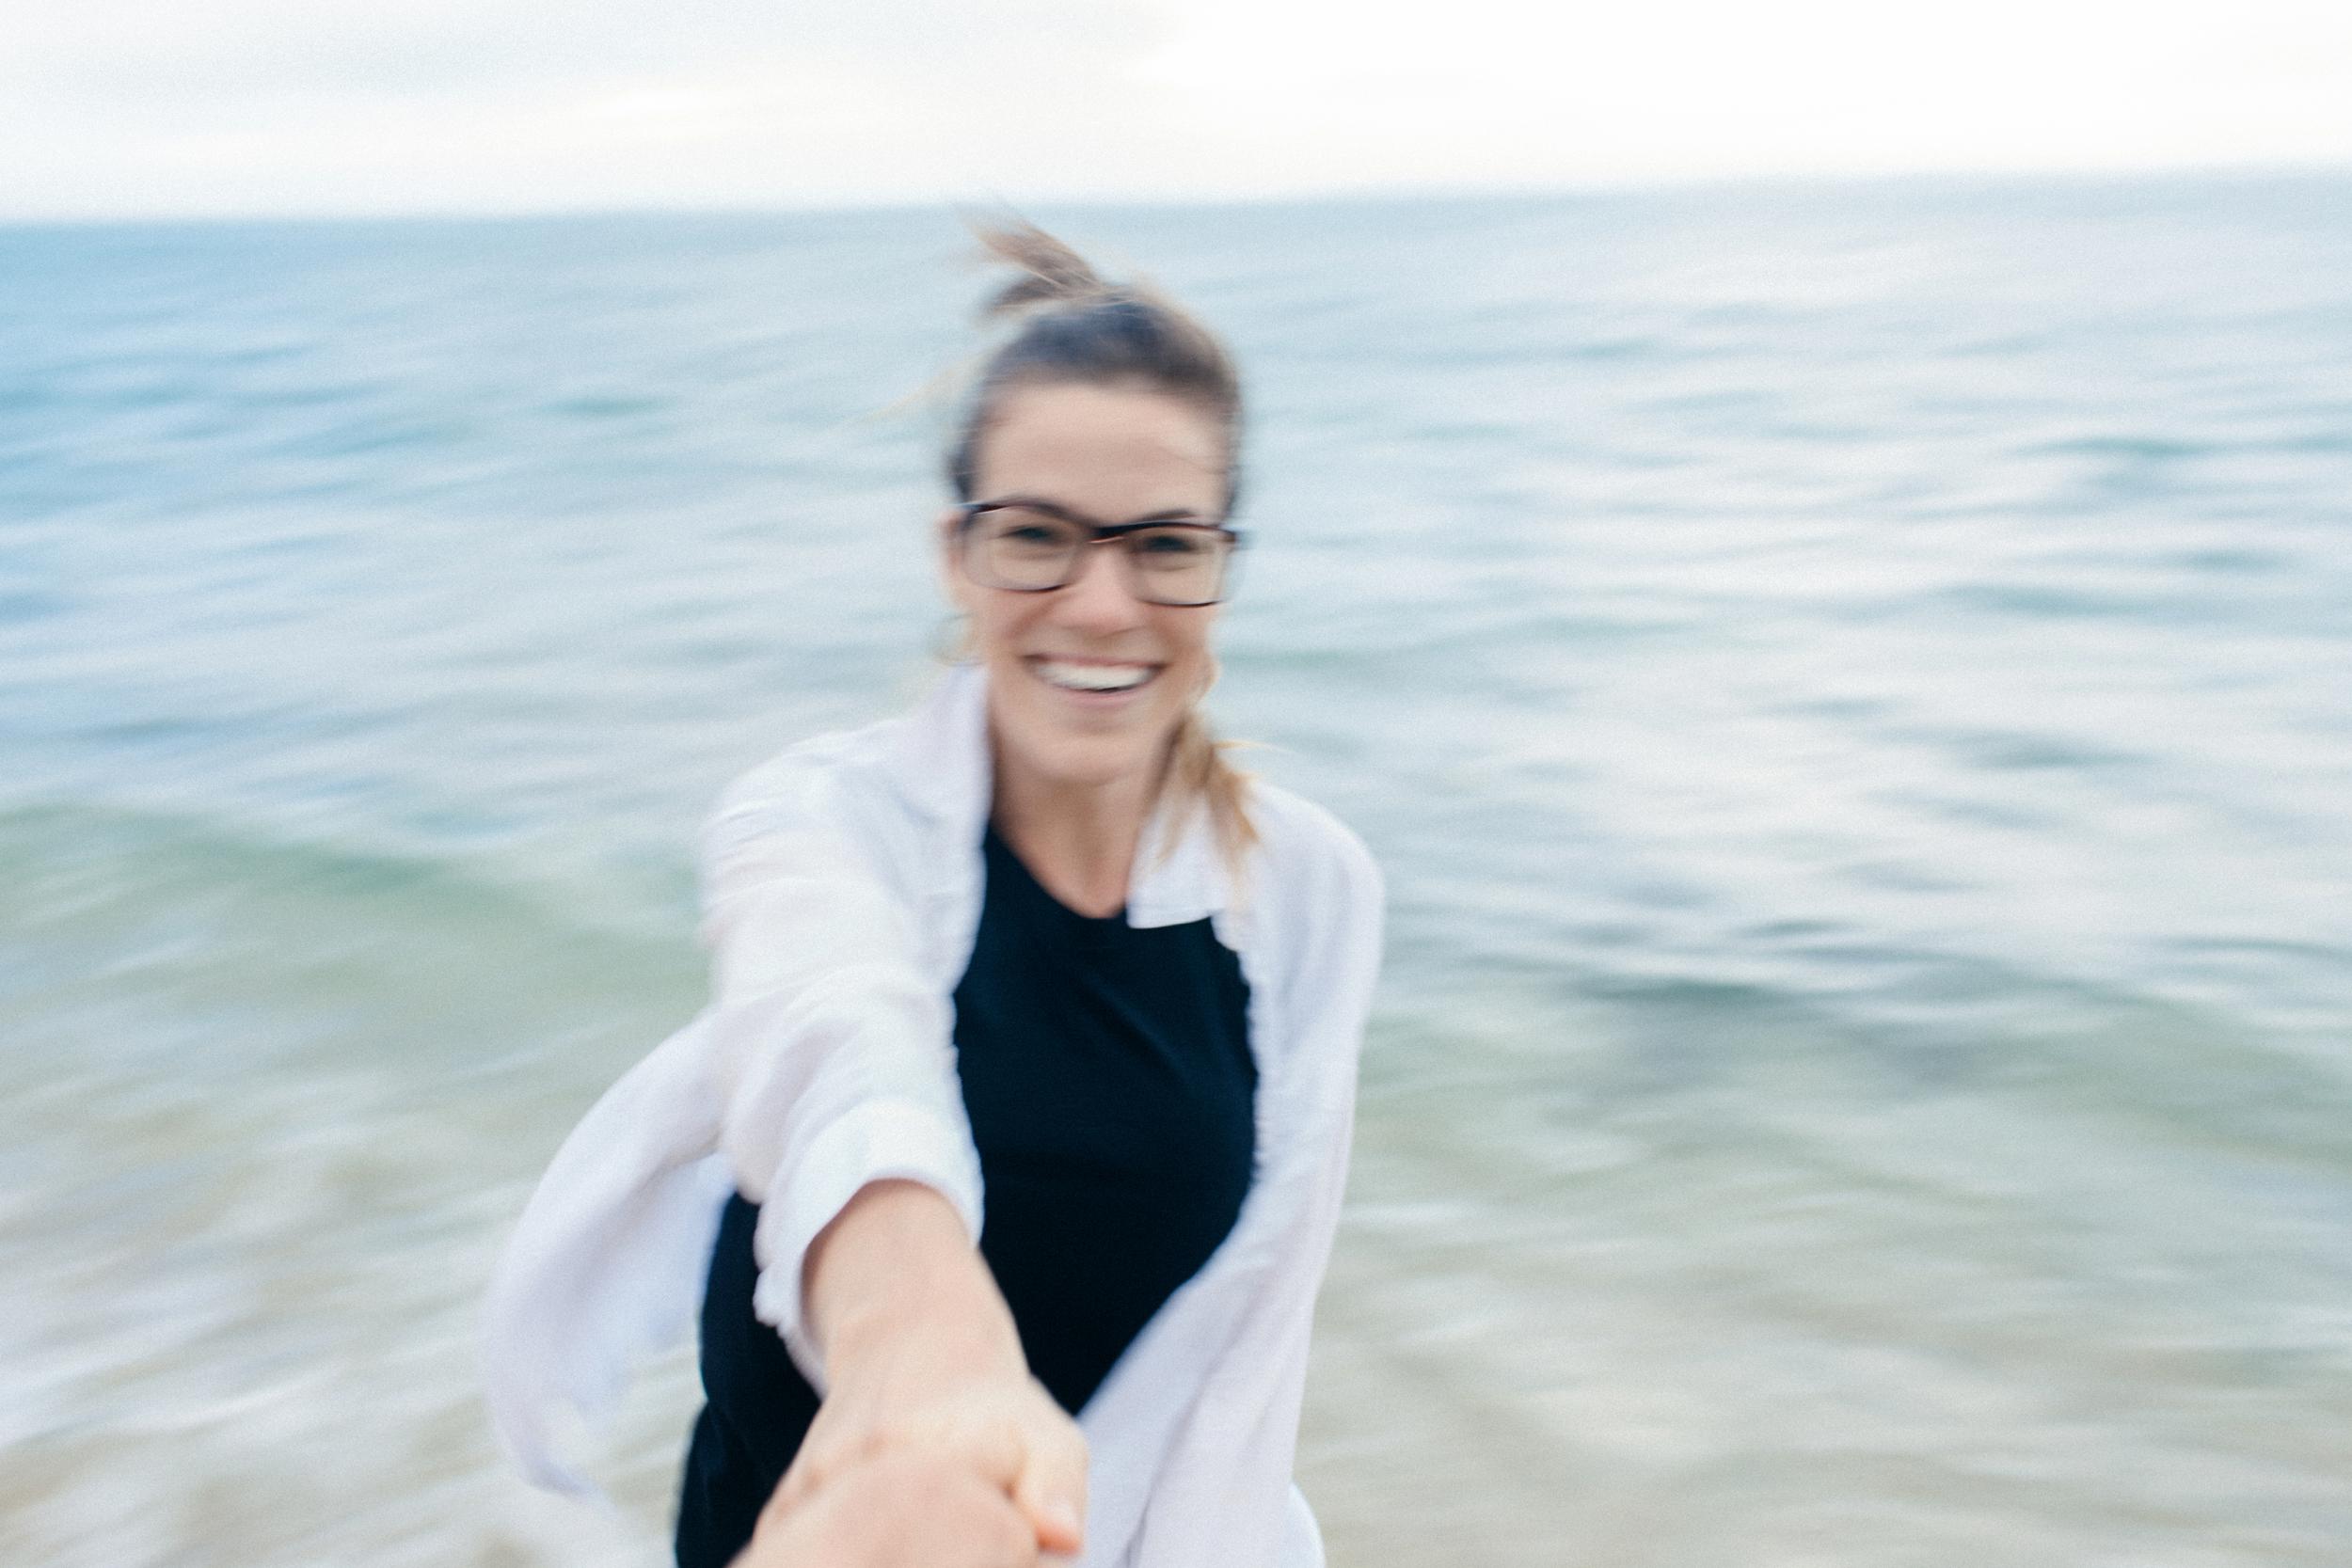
894, 1280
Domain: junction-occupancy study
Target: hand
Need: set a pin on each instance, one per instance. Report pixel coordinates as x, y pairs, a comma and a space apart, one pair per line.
905, 1508
921, 1355
995, 1425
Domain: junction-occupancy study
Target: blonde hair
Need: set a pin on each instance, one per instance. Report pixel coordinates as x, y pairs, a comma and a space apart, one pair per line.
1069, 326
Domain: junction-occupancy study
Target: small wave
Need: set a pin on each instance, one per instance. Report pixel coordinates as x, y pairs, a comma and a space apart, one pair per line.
2323, 443
2139, 448
31, 605
309, 395
2234, 562
262, 945
605, 406
2048, 601
366, 437
2027, 750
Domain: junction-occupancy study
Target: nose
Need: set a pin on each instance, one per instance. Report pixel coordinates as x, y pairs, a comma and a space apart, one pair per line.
1097, 600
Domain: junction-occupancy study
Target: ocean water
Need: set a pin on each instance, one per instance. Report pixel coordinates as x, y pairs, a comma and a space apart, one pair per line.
1852, 687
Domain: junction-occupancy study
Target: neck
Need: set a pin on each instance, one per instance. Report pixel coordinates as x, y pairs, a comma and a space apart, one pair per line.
1078, 840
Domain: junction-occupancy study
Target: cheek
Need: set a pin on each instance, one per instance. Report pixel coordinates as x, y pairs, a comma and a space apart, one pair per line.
1185, 636
998, 621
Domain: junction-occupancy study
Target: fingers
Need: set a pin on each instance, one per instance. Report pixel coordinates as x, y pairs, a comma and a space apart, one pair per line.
1036, 1454
1051, 1488
901, 1509
1013, 1441
801, 1481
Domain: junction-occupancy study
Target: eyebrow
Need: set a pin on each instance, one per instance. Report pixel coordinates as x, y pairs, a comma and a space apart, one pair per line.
1069, 515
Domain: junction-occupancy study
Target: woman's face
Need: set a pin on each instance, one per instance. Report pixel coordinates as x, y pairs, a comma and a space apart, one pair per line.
1109, 454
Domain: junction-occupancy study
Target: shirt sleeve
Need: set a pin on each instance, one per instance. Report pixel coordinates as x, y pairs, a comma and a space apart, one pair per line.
831, 1037
606, 1264
1224, 1494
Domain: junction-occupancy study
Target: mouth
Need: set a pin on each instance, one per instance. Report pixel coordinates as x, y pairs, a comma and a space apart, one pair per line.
1097, 678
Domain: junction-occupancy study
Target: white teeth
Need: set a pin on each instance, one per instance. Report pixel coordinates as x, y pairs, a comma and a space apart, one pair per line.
1094, 678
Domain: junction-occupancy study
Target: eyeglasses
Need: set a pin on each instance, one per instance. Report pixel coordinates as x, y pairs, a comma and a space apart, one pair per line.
1032, 547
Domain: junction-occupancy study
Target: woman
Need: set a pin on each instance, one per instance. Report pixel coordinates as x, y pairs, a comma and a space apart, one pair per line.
1032, 967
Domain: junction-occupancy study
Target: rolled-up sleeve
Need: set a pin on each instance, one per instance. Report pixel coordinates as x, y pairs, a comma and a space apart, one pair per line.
832, 1039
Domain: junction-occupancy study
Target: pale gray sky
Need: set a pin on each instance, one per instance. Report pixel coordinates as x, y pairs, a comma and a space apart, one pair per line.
126, 107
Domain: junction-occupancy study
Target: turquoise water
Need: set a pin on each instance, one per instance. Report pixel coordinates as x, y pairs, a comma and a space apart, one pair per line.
1852, 687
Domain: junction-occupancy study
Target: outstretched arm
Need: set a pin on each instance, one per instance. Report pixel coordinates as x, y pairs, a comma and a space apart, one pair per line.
921, 1356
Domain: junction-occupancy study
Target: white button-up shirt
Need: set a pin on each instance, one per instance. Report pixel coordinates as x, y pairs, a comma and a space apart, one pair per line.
842, 884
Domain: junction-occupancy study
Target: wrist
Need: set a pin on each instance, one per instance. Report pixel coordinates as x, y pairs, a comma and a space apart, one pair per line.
952, 1323
896, 1280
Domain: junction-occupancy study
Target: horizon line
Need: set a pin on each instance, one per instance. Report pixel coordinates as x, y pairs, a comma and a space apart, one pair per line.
2250, 171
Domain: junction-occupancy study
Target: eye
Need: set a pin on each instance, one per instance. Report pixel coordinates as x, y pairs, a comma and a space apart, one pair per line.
1019, 528
1171, 545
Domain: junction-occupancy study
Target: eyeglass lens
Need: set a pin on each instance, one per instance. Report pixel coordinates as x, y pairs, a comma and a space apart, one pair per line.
1012, 546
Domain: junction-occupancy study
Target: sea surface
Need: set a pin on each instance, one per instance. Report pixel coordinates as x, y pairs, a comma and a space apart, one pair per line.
1851, 686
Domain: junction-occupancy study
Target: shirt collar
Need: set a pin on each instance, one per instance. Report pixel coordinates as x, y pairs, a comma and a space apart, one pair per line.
940, 760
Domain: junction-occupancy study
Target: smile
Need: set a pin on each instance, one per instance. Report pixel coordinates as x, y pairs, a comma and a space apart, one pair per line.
1074, 676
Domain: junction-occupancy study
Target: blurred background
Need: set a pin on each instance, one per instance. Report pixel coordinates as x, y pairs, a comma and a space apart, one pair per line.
1813, 548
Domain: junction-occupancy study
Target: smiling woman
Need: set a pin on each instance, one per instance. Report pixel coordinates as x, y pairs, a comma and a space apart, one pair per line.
1015, 1131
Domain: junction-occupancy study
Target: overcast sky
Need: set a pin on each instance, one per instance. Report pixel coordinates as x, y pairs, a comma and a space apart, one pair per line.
133, 107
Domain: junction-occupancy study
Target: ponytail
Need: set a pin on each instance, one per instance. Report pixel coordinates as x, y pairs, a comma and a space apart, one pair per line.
1202, 778
1051, 271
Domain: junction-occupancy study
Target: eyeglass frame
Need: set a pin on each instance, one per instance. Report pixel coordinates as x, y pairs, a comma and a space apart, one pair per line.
1102, 533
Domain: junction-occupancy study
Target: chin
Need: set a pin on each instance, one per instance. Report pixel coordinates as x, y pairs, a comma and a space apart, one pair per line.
1084, 749
1061, 755
1091, 762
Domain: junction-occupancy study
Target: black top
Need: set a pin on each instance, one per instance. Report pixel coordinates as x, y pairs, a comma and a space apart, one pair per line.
1108, 1075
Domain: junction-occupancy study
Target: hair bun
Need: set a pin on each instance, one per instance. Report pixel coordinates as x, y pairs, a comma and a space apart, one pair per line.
1052, 272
